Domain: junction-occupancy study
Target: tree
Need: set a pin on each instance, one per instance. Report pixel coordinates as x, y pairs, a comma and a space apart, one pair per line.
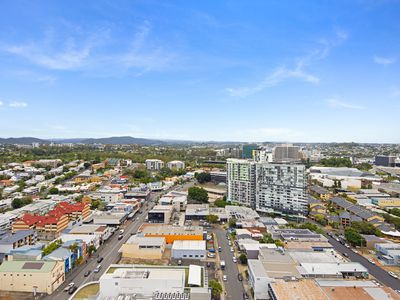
232, 223
198, 194
16, 203
243, 259
203, 177
91, 249
216, 287
267, 239
353, 237
320, 219
212, 219
365, 228
53, 191
220, 203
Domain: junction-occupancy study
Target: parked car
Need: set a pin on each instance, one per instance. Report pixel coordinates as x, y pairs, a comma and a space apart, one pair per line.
240, 277
232, 249
224, 278
393, 275
210, 255
87, 273
100, 259
371, 261
219, 249
245, 296
120, 237
234, 259
179, 262
72, 290
345, 254
70, 285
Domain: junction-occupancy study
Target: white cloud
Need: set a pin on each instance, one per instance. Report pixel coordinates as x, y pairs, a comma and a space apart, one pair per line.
18, 104
283, 73
276, 77
380, 60
1, 103
335, 103
88, 52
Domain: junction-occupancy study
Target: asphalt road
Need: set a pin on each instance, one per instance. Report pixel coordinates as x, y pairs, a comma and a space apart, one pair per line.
233, 286
109, 251
380, 274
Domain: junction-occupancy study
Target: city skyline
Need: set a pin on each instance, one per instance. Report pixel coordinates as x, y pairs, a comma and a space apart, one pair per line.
227, 71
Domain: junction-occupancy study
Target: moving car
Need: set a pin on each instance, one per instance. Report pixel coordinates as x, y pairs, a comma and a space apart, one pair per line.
70, 285
371, 261
87, 273
225, 278
234, 259
72, 290
97, 269
100, 259
120, 237
219, 249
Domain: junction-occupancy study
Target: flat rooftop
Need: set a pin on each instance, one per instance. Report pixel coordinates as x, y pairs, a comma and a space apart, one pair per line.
162, 229
303, 289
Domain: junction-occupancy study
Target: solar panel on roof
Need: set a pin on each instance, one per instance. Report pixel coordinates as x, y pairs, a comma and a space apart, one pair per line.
32, 266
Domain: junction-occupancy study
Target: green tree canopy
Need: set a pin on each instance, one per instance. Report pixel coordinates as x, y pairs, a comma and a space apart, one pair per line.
212, 219
198, 194
203, 177
216, 287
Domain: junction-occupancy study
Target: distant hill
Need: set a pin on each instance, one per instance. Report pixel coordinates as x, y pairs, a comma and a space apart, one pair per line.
23, 140
115, 140
123, 140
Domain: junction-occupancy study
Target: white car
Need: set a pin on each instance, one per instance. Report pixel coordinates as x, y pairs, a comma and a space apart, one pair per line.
232, 249
210, 255
224, 278
371, 261
70, 285
230, 243
234, 259
393, 275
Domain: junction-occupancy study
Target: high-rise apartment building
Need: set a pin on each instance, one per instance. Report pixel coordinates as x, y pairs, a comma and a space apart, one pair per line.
241, 180
280, 187
287, 153
247, 150
267, 187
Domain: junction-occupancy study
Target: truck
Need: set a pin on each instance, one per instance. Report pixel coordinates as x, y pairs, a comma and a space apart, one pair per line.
222, 265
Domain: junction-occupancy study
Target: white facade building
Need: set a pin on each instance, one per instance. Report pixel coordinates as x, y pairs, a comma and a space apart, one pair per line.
176, 164
241, 181
154, 164
189, 249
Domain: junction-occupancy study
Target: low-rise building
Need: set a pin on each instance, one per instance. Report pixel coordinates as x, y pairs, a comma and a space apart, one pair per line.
31, 276
175, 164
154, 282
197, 211
10, 241
142, 247
188, 249
154, 164
172, 233
160, 214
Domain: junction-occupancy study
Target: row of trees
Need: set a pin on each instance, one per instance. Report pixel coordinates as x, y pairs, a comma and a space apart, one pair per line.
20, 202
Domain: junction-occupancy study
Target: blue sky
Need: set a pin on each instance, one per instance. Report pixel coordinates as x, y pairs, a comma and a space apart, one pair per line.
312, 71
